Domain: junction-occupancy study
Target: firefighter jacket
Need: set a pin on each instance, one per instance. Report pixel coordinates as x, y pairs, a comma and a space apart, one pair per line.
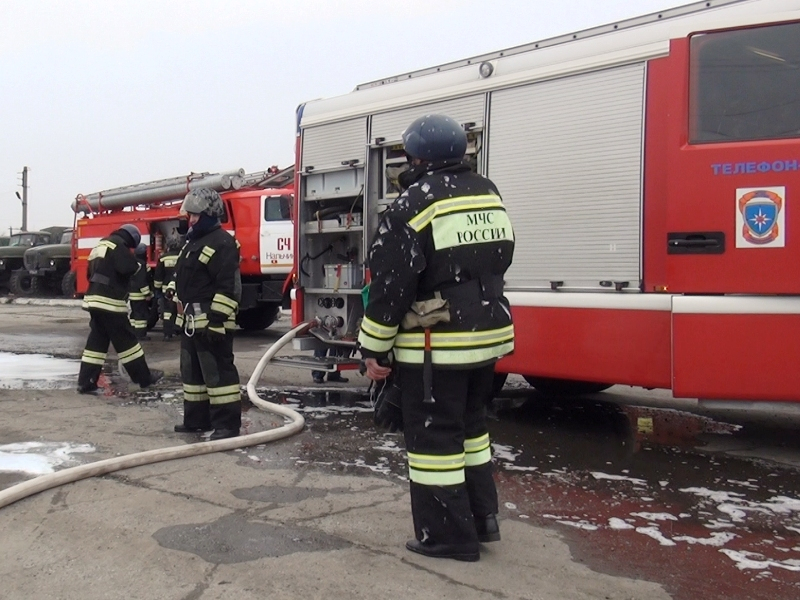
110, 267
139, 287
165, 269
447, 237
208, 283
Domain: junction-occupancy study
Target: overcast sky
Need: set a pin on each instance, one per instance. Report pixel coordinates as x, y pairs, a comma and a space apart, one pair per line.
104, 93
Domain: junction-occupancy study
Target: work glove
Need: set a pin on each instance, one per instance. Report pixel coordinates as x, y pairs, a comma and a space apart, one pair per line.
388, 405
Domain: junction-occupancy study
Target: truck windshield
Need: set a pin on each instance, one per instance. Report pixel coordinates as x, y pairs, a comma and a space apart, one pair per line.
66, 237
22, 239
745, 84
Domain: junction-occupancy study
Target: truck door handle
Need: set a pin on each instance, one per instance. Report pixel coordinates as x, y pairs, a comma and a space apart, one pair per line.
696, 242
693, 243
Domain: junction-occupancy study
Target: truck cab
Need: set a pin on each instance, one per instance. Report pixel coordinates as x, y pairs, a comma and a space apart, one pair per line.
12, 273
48, 268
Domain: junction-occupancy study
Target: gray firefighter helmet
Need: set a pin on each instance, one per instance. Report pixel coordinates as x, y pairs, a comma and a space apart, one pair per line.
203, 201
133, 231
141, 251
435, 137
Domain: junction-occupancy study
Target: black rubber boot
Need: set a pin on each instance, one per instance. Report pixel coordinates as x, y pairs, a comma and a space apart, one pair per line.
487, 528
155, 375
464, 552
87, 388
222, 434
181, 428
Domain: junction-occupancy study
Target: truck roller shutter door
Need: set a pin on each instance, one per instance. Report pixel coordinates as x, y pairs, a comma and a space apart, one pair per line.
328, 146
566, 155
390, 125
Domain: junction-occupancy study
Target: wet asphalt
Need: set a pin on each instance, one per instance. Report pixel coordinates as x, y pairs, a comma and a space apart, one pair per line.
707, 506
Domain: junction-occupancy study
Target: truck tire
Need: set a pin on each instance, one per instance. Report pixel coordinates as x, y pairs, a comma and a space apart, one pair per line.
565, 387
258, 318
68, 284
23, 284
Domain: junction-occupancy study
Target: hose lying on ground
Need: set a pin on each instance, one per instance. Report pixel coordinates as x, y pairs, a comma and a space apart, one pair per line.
103, 467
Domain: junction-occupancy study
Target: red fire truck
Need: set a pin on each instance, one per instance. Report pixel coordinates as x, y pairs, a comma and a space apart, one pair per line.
258, 212
648, 168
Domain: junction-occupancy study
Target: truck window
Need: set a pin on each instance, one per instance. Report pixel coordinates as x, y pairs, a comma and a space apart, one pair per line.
277, 208
66, 237
23, 239
745, 84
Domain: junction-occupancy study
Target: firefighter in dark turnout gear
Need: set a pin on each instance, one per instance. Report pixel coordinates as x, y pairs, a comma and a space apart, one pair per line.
139, 293
110, 268
436, 303
163, 276
208, 288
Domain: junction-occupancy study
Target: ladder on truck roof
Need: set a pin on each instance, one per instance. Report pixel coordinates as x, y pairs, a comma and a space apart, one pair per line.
163, 191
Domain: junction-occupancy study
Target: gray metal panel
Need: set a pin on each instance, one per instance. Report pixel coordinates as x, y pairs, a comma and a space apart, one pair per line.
390, 125
327, 146
566, 156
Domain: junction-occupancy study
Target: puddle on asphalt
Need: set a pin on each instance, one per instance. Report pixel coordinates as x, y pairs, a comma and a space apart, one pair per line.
633, 490
37, 371
234, 539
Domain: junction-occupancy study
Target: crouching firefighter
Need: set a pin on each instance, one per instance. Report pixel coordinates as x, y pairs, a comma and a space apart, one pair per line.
436, 304
110, 268
207, 291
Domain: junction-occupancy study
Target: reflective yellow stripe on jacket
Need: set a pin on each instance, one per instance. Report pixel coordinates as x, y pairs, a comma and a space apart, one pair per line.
453, 348
103, 303
450, 205
223, 304
376, 337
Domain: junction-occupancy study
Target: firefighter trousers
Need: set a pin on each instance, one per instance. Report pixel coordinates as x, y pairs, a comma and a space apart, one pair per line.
211, 395
140, 311
111, 327
449, 456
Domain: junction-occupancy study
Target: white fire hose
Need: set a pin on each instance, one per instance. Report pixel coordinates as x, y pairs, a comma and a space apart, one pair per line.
294, 425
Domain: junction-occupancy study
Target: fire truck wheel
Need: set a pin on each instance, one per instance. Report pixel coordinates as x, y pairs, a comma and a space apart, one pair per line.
22, 284
565, 387
261, 317
68, 284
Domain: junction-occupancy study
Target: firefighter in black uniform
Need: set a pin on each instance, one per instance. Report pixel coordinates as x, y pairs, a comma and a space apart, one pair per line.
436, 304
208, 287
139, 293
163, 276
110, 268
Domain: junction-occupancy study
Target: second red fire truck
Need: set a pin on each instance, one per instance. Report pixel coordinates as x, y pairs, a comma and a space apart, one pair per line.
257, 211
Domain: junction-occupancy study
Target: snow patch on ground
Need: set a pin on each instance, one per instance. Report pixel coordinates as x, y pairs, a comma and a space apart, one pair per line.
39, 458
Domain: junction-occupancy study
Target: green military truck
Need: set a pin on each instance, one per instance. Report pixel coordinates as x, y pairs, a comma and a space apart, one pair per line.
13, 275
48, 269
